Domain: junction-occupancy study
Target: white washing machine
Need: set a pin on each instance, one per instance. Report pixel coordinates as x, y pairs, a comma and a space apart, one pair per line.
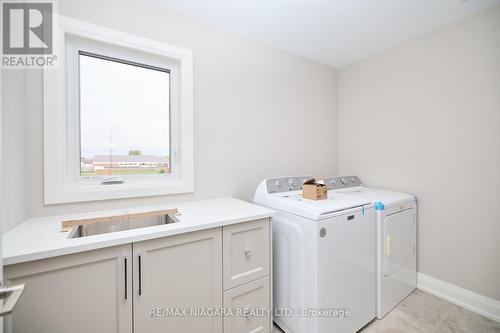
396, 239
323, 258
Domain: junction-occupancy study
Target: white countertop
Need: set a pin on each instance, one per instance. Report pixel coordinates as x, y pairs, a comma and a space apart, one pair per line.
39, 238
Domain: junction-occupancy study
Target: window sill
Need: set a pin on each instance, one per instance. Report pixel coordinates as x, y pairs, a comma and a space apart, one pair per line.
95, 192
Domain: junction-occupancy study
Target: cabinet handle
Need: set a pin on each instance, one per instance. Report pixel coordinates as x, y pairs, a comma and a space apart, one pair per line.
126, 282
139, 257
248, 253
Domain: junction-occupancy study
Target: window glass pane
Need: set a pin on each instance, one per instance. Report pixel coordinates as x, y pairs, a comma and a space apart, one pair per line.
124, 118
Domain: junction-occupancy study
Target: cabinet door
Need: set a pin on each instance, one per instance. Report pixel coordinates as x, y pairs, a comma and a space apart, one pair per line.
174, 274
246, 252
77, 293
250, 307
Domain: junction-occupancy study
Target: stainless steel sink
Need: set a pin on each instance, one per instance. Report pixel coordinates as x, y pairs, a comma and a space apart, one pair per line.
84, 230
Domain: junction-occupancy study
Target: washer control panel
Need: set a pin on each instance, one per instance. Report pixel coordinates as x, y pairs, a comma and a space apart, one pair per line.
286, 184
334, 183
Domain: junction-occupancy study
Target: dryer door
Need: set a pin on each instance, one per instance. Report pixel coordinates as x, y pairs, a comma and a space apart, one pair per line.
400, 235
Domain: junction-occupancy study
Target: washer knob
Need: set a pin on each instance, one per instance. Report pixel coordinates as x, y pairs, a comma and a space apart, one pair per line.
343, 181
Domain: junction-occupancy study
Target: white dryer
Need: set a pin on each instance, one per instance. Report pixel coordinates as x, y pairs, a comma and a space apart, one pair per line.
396, 239
323, 258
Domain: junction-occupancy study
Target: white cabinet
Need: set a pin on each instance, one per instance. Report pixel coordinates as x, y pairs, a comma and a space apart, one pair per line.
152, 286
246, 252
250, 305
79, 293
180, 272
247, 268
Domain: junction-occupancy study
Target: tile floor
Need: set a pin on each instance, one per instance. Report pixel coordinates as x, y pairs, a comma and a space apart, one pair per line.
423, 313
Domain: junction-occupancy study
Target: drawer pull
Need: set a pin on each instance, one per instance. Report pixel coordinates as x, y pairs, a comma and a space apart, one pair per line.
126, 282
139, 258
248, 253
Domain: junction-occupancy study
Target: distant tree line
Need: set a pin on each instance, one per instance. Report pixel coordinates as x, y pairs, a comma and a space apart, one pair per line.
134, 153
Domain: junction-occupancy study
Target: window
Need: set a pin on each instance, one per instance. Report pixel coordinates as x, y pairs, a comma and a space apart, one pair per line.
117, 116
124, 117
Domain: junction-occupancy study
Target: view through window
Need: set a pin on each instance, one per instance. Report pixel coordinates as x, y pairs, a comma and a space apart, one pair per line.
124, 117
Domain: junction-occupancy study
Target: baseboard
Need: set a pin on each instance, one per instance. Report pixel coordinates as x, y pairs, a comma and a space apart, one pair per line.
467, 299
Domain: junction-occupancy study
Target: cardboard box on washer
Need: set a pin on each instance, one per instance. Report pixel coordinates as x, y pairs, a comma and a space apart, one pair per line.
313, 190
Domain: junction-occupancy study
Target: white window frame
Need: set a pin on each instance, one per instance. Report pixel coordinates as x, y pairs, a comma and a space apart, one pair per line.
62, 182
74, 45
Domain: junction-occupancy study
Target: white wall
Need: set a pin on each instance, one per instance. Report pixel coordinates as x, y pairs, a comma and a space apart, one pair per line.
13, 207
259, 111
424, 117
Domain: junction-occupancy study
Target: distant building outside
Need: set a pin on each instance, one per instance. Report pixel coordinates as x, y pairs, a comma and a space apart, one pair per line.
126, 164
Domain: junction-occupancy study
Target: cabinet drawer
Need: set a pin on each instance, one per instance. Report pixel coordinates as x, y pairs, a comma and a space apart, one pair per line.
246, 252
249, 304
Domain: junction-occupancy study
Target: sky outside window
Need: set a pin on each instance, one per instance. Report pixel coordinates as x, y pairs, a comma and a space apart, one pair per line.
124, 114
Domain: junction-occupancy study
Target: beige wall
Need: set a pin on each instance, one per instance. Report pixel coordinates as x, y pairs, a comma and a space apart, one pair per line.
424, 117
259, 111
